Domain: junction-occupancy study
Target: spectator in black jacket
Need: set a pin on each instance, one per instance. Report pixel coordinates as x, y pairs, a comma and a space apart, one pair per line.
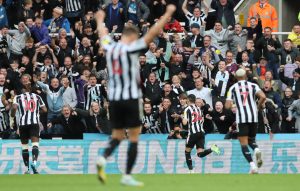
96, 119
287, 126
294, 82
167, 115
253, 54
222, 118
153, 90
177, 66
72, 123
255, 29
266, 46
288, 53
225, 11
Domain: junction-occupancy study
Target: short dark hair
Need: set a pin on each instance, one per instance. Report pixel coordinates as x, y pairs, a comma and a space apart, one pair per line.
268, 28
218, 22
92, 75
287, 40
192, 98
129, 30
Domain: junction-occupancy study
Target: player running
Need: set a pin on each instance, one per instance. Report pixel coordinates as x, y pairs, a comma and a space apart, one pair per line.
194, 118
244, 95
28, 105
124, 88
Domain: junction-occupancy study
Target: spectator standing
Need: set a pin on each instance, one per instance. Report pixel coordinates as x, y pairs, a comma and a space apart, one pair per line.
74, 10
219, 37
71, 123
237, 39
197, 17
287, 126
294, 36
58, 21
40, 32
287, 53
266, 45
3, 16
95, 118
225, 12
16, 40
294, 112
24, 11
136, 11
115, 16
255, 28
267, 12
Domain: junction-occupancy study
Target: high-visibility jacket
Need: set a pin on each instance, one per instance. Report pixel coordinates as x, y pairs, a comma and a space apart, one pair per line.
268, 15
295, 38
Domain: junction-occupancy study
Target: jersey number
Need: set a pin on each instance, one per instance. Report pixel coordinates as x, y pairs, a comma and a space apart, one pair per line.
245, 97
29, 105
116, 67
196, 117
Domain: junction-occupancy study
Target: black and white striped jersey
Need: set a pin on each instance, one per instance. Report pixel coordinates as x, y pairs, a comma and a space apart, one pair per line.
93, 94
192, 19
221, 81
243, 94
73, 5
28, 108
123, 68
193, 115
150, 123
1, 93
3, 122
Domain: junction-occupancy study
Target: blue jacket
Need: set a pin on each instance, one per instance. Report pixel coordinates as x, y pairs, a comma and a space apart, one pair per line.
3, 16
41, 34
54, 99
61, 22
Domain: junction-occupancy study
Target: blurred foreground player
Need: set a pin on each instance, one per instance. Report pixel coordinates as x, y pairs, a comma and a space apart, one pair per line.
194, 119
28, 105
124, 89
244, 95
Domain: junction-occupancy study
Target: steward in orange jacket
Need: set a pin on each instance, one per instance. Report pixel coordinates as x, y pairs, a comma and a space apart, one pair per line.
267, 12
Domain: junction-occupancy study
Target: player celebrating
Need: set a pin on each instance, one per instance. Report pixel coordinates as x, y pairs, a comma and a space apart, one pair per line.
27, 105
124, 91
244, 94
194, 118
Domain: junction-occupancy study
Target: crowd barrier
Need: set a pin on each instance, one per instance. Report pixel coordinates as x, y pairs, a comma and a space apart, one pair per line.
156, 155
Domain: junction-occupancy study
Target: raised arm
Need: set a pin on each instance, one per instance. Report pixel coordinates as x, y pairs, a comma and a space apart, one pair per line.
155, 29
184, 7
102, 30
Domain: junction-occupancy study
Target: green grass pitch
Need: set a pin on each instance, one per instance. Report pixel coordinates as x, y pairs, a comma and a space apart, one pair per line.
155, 182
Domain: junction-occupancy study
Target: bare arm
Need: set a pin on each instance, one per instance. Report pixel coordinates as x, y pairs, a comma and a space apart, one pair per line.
184, 7
13, 110
102, 30
262, 99
155, 30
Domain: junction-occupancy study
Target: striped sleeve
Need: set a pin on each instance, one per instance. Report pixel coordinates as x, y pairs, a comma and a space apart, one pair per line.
256, 88
106, 42
137, 45
40, 100
230, 94
189, 15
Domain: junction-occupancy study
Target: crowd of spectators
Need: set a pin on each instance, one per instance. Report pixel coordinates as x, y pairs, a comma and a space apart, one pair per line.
53, 45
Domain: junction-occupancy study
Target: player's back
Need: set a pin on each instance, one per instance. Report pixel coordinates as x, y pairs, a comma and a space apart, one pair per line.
123, 68
243, 93
194, 116
28, 108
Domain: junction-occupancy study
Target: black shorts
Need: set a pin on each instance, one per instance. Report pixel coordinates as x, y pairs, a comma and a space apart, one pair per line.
125, 114
247, 129
28, 131
197, 139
